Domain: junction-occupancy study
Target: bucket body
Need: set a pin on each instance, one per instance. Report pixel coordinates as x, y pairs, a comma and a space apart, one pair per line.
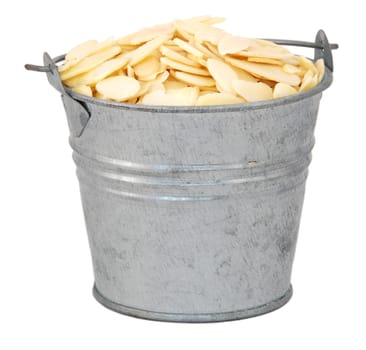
192, 214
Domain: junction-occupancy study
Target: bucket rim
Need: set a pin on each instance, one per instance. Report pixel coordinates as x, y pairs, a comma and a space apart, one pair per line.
323, 85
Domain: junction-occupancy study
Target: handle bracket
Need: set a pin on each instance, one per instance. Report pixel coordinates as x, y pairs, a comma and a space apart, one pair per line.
77, 114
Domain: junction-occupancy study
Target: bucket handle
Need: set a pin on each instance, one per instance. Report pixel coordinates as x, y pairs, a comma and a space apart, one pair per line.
323, 49
77, 114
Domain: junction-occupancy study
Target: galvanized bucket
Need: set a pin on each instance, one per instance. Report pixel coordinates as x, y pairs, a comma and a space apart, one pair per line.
193, 213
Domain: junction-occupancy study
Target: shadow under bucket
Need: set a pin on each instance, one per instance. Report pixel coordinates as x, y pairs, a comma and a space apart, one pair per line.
192, 213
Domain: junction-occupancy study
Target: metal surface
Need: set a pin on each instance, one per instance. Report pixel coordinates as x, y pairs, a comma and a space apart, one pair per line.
193, 213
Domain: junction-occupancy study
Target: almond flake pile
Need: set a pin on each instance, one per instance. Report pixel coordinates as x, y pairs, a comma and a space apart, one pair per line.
187, 63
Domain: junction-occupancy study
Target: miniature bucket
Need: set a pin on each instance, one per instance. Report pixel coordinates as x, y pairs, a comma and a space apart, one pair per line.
193, 213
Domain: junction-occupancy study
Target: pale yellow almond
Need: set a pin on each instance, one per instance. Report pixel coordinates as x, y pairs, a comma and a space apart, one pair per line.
270, 83
162, 77
147, 87
174, 84
84, 50
208, 89
130, 71
218, 98
208, 19
174, 55
207, 92
150, 77
81, 51
213, 20
231, 44
309, 81
266, 71
264, 52
199, 61
252, 92
177, 97
205, 51
319, 64
192, 79
126, 48
307, 64
183, 67
243, 75
267, 43
148, 34
213, 48
101, 96
187, 47
147, 67
266, 60
145, 50
90, 62
154, 84
294, 60
118, 88
283, 90
83, 89
292, 69
223, 75
202, 31
182, 34
98, 73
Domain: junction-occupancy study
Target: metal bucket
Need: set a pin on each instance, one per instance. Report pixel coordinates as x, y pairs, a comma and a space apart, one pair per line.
192, 213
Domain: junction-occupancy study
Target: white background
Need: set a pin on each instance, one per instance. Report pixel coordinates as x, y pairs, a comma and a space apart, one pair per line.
46, 274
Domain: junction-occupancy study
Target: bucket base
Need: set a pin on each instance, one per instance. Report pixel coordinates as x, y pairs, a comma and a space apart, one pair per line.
193, 318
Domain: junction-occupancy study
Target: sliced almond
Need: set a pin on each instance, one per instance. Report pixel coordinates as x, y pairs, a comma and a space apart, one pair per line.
205, 51
243, 75
147, 67
266, 71
213, 48
218, 98
252, 91
182, 34
232, 44
130, 71
283, 90
101, 96
267, 43
188, 47
202, 31
309, 81
207, 19
118, 88
199, 61
174, 55
174, 84
307, 64
145, 50
148, 34
177, 97
83, 89
292, 69
81, 51
183, 67
90, 62
266, 60
98, 73
319, 64
223, 75
192, 79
